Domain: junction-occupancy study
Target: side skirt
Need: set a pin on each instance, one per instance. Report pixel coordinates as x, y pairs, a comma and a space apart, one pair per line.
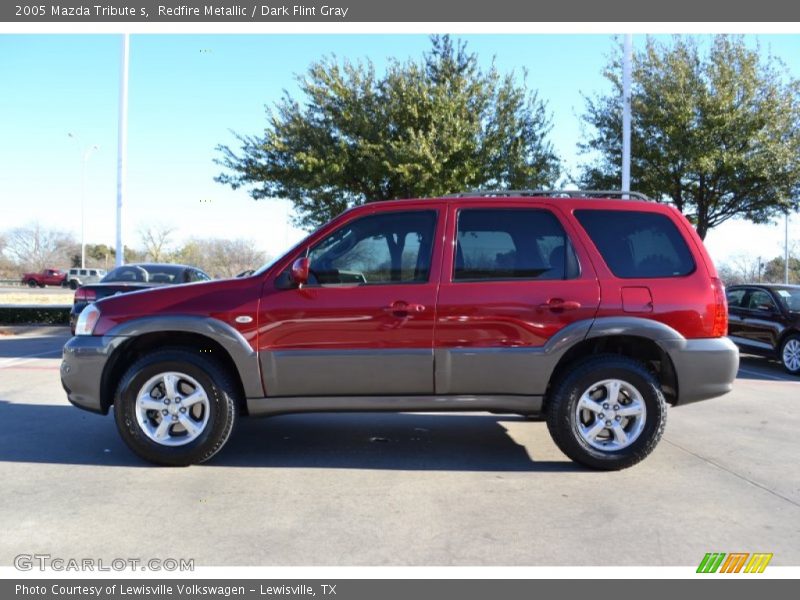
524, 405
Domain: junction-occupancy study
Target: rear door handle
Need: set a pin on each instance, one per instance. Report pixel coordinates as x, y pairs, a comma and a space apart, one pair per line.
402, 309
560, 304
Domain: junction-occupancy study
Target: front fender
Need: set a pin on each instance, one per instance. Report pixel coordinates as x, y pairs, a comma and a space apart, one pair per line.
243, 356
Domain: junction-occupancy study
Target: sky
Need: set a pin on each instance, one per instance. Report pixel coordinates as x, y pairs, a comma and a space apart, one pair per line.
188, 93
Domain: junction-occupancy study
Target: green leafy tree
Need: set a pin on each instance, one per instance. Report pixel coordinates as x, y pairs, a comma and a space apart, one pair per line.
716, 133
423, 128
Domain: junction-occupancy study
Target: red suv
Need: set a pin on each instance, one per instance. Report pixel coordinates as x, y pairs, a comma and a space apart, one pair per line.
593, 312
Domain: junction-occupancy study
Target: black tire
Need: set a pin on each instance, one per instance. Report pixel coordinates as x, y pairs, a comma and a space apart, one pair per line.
562, 405
793, 339
220, 391
73, 285
31, 283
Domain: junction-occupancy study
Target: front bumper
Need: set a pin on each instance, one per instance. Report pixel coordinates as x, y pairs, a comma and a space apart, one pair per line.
83, 362
705, 368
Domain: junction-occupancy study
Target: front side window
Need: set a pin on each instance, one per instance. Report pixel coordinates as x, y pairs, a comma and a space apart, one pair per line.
378, 249
761, 300
790, 298
503, 244
637, 244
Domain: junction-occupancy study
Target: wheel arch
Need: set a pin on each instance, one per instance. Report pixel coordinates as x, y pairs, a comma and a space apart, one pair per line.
209, 337
631, 337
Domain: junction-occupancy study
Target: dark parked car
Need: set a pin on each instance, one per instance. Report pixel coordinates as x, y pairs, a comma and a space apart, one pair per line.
764, 319
595, 313
132, 278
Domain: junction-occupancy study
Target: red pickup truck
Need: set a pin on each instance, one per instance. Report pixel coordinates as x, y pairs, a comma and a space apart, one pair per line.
45, 277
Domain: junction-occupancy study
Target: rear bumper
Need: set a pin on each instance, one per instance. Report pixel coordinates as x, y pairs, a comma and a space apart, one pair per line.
705, 368
83, 360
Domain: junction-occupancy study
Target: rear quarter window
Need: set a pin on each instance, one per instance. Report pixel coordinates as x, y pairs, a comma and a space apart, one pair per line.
637, 244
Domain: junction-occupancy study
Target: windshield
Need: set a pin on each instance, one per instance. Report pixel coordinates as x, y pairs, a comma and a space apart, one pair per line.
145, 274
790, 297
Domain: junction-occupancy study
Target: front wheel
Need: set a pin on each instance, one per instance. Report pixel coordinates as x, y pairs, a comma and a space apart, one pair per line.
790, 354
175, 407
608, 412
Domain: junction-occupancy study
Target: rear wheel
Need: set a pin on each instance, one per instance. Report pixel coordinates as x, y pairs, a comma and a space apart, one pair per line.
790, 354
175, 407
73, 285
32, 283
607, 412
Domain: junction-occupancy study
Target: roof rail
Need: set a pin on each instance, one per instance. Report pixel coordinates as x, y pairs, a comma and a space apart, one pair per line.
551, 194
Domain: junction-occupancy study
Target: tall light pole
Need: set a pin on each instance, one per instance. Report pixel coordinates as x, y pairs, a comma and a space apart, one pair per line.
627, 59
85, 154
122, 145
786, 249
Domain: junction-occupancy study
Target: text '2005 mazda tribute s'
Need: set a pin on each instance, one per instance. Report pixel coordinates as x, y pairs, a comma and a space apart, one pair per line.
592, 312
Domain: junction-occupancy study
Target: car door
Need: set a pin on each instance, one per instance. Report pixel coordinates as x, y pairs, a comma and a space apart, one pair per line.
512, 280
760, 326
736, 298
363, 325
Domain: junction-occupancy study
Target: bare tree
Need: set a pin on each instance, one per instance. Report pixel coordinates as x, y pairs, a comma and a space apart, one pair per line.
742, 268
156, 240
34, 247
221, 257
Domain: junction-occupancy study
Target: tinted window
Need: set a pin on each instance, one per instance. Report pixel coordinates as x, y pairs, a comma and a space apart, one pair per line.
761, 300
197, 275
378, 249
637, 244
790, 298
146, 274
511, 244
734, 298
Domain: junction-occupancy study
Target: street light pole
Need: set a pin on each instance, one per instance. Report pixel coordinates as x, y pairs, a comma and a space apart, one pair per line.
786, 249
87, 152
122, 145
626, 112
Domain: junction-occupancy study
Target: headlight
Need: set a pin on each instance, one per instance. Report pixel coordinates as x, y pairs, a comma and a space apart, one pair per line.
87, 320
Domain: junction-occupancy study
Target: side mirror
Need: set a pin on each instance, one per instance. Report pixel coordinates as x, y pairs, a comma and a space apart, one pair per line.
299, 272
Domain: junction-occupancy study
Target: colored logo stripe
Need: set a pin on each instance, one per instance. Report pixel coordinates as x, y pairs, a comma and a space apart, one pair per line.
758, 562
711, 562
734, 563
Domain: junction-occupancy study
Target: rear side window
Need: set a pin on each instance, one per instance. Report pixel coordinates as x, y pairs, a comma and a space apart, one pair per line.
507, 244
637, 244
734, 298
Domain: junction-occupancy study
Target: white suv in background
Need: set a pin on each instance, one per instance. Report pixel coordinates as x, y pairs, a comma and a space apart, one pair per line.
78, 277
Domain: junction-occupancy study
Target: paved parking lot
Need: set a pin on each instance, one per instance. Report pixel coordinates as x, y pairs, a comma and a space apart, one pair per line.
408, 489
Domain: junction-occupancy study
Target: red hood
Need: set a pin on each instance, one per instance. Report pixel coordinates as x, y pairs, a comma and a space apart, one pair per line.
223, 300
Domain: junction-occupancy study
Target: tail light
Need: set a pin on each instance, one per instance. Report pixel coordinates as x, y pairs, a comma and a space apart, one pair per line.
720, 326
84, 295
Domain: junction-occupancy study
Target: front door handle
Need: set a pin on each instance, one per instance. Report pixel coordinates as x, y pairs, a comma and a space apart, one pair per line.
560, 304
403, 309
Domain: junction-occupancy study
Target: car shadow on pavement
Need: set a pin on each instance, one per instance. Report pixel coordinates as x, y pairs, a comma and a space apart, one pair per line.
763, 369
38, 433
